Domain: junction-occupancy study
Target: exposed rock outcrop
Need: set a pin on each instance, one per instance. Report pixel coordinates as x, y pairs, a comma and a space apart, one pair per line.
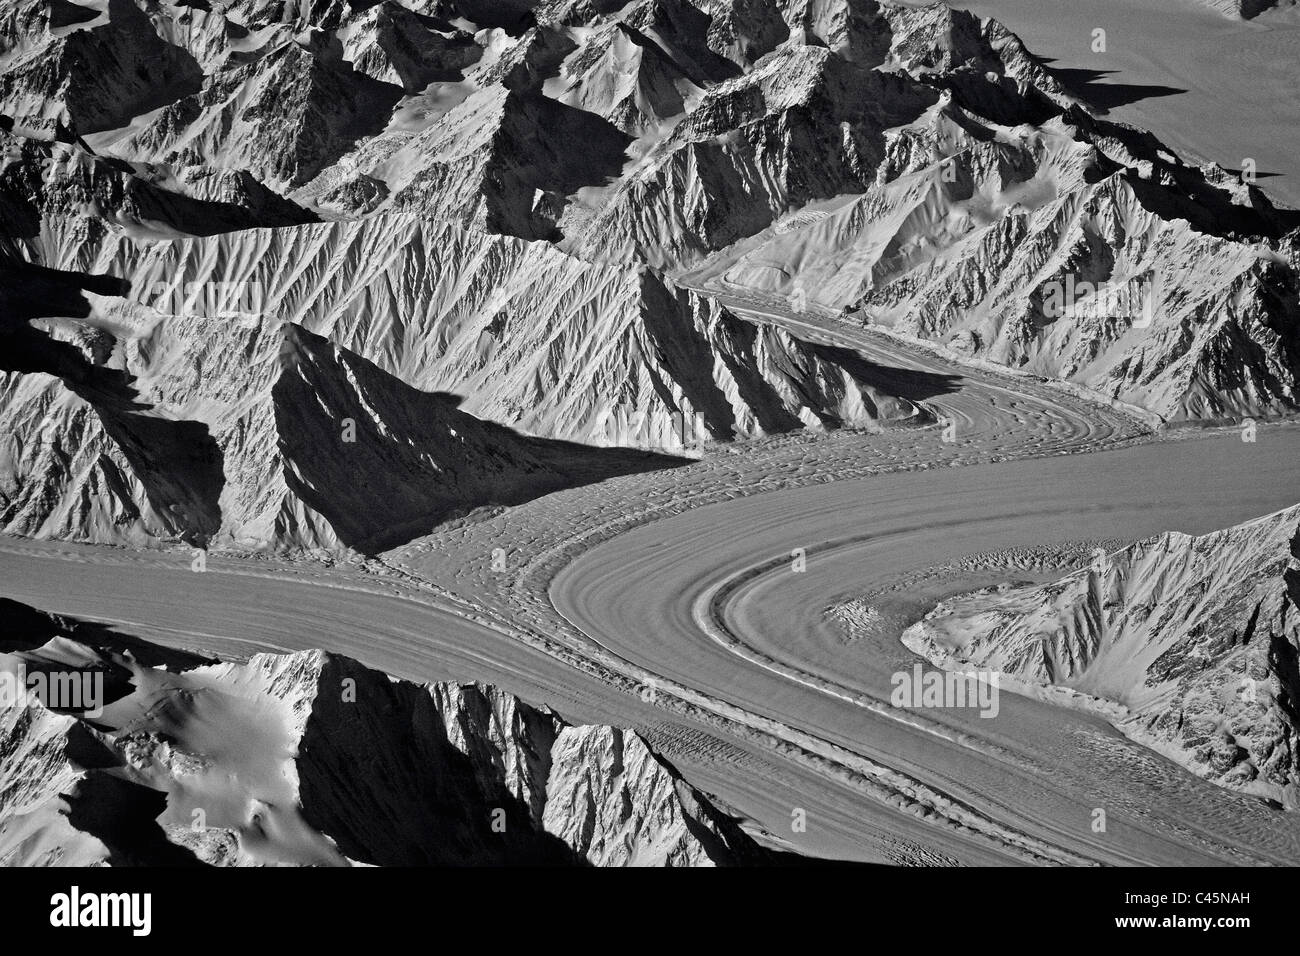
313, 759
530, 208
1196, 638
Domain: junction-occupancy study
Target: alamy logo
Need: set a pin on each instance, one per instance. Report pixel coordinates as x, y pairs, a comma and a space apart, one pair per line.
75, 909
77, 691
58, 164
245, 302
1135, 300
972, 688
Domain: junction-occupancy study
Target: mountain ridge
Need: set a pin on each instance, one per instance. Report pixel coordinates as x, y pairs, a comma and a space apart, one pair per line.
1194, 638
313, 759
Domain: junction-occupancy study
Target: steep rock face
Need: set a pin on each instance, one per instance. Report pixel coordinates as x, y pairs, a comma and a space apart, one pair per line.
803, 125
627, 79
97, 456
300, 439
979, 61
88, 75
530, 208
48, 180
598, 775
282, 118
339, 417
62, 801
1196, 637
393, 44
972, 226
496, 158
518, 337
42, 755
313, 759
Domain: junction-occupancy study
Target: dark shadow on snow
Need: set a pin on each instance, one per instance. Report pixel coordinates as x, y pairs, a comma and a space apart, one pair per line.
912, 384
384, 462
177, 461
25, 628
1091, 86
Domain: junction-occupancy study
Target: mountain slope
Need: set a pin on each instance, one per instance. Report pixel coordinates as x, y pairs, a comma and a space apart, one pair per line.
296, 437
312, 759
893, 159
1197, 638
535, 208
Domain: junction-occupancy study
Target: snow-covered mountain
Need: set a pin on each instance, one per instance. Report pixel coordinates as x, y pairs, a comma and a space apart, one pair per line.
313, 759
532, 207
224, 428
1195, 638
